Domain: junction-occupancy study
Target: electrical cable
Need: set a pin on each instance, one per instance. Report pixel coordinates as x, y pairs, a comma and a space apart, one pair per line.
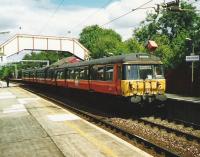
95, 12
126, 13
52, 15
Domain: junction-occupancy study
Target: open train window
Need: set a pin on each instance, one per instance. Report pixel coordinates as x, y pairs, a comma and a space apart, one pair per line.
109, 73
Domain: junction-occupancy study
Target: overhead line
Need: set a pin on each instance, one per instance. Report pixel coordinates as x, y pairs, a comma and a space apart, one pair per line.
52, 15
92, 14
126, 13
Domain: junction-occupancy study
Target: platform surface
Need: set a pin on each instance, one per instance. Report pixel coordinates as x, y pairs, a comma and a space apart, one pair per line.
183, 98
34, 127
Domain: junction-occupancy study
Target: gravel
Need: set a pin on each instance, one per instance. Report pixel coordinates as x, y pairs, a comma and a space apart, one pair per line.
170, 141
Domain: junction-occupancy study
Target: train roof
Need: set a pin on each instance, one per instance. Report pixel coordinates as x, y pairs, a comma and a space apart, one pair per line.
137, 58
140, 58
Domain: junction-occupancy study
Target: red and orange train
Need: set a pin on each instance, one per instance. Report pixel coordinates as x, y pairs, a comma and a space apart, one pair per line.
138, 77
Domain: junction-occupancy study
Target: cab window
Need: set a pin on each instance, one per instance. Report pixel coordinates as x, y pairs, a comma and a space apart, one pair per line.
158, 71
130, 72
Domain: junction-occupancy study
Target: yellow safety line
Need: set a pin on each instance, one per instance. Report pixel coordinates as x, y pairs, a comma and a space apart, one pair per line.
96, 142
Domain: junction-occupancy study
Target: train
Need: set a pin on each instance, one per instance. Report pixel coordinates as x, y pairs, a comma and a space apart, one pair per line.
136, 77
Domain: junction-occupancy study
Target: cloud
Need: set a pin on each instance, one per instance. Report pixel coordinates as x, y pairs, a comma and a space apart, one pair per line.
41, 17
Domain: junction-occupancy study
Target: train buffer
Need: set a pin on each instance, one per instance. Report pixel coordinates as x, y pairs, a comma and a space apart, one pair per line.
32, 126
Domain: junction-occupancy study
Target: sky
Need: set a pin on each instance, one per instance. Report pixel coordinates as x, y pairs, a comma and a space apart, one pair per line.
69, 17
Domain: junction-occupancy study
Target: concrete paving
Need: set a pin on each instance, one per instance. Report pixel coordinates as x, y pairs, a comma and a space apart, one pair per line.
34, 127
183, 98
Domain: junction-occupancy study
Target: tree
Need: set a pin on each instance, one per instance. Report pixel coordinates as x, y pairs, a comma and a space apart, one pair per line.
133, 46
102, 42
52, 56
169, 30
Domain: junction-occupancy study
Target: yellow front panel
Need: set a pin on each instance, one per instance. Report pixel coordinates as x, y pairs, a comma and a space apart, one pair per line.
162, 86
140, 87
132, 87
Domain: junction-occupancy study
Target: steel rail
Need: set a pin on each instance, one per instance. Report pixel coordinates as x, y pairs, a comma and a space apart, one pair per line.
168, 129
188, 124
158, 149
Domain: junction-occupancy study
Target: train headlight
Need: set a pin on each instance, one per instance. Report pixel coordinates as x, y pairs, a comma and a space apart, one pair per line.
159, 87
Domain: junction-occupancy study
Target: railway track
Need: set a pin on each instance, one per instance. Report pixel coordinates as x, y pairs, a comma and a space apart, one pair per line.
106, 123
189, 136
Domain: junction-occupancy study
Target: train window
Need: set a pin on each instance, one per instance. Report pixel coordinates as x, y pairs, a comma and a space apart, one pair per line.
109, 73
60, 75
50, 74
71, 74
158, 71
86, 71
100, 73
130, 72
66, 73
82, 73
146, 72
94, 72
76, 73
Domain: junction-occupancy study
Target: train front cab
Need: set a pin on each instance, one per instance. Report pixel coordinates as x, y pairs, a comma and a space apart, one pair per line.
143, 82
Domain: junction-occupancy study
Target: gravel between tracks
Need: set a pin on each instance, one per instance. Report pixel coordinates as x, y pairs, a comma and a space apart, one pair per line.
179, 145
173, 125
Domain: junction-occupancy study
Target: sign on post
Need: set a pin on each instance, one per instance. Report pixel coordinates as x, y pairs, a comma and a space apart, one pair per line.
192, 58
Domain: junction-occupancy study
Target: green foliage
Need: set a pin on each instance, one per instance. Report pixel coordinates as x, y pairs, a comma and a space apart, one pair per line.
52, 56
169, 30
6, 71
133, 46
101, 42
106, 42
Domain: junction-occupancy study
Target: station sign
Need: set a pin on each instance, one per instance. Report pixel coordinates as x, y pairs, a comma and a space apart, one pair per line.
192, 58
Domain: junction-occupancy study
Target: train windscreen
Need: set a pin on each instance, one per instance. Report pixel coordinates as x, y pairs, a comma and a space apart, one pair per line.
135, 72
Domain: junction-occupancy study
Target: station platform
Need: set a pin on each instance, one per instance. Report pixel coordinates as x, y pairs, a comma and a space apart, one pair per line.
183, 98
31, 126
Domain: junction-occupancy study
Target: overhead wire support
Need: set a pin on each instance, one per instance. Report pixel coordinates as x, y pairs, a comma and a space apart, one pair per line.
127, 13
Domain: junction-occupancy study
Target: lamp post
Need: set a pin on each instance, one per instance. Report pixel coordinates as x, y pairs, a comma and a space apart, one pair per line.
191, 49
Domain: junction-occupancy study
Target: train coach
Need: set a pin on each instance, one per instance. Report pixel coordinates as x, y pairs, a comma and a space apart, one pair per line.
138, 77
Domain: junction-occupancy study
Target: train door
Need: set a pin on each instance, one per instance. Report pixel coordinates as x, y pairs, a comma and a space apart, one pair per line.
118, 78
